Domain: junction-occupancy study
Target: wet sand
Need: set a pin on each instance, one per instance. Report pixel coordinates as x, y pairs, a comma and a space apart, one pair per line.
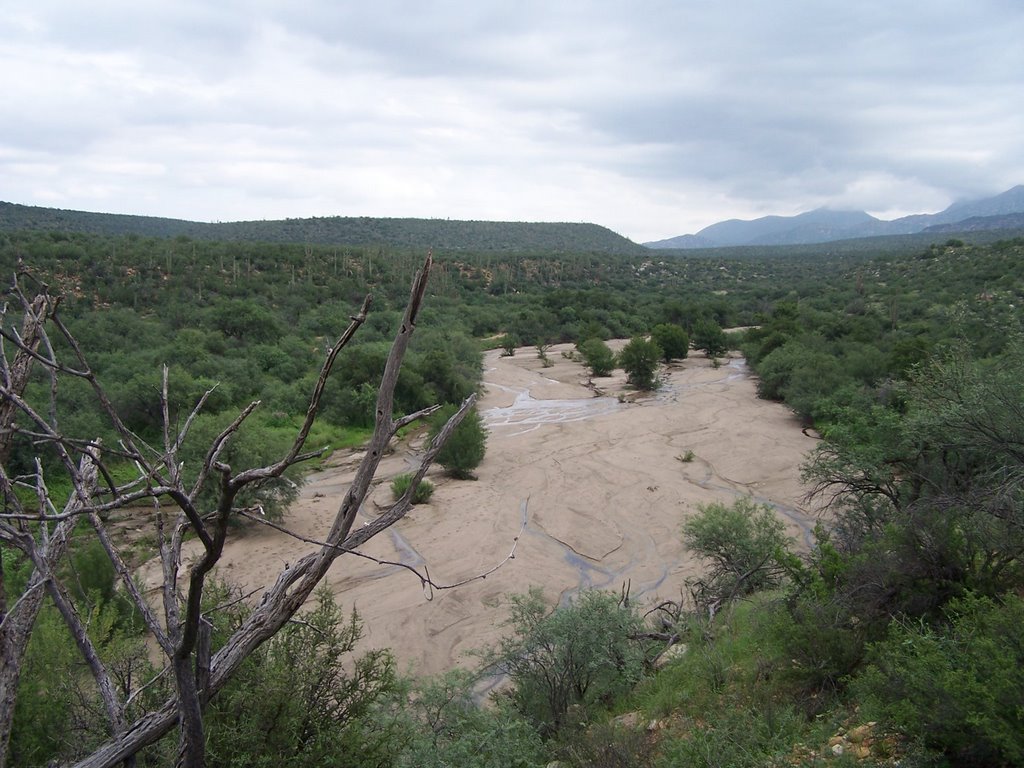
598, 480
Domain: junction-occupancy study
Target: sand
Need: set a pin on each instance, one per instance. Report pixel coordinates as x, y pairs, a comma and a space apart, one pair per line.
600, 482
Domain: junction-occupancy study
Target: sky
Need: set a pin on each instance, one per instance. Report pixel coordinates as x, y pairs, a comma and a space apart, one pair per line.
652, 118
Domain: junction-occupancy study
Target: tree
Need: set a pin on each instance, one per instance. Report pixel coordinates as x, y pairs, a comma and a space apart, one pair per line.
582, 653
38, 525
709, 336
745, 544
598, 356
673, 340
465, 446
639, 359
508, 344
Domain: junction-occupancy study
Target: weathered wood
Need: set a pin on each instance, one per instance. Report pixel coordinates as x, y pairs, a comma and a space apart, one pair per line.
183, 634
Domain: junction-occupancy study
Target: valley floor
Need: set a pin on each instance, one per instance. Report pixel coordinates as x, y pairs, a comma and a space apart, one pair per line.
602, 477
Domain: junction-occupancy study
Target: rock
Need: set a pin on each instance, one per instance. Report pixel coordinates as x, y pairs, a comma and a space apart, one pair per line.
860, 733
671, 654
837, 739
837, 750
628, 720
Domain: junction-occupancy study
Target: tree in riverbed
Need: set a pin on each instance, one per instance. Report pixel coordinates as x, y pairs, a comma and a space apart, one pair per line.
466, 445
639, 359
673, 340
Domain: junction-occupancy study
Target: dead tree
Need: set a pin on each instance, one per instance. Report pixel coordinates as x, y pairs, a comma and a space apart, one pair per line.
41, 531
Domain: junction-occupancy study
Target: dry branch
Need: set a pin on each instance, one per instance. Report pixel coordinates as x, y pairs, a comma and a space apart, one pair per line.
183, 634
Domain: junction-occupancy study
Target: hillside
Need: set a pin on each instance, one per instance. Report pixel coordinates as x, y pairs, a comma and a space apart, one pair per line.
818, 648
442, 234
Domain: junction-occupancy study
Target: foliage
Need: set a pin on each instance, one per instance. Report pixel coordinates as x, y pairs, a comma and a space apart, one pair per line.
582, 654
745, 544
466, 447
723, 699
304, 698
748, 737
927, 505
799, 375
604, 745
443, 233
709, 336
958, 688
919, 461
673, 341
508, 344
639, 359
58, 712
400, 484
597, 356
450, 729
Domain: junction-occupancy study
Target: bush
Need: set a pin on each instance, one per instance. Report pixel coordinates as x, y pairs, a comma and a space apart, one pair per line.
958, 689
739, 738
449, 729
598, 357
673, 340
745, 543
508, 344
400, 484
466, 445
639, 359
306, 698
708, 336
579, 655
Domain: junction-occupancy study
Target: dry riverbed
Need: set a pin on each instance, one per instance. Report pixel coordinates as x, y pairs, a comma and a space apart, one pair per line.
601, 483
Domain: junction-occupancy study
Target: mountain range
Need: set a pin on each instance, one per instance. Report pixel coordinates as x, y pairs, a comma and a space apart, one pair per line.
1003, 211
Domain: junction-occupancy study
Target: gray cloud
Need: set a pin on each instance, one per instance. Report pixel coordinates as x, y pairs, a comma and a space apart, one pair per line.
654, 119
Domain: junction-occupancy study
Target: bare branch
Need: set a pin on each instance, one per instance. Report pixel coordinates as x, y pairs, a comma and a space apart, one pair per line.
198, 674
425, 580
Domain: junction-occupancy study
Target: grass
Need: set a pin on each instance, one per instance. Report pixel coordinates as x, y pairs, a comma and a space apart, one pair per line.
726, 699
423, 491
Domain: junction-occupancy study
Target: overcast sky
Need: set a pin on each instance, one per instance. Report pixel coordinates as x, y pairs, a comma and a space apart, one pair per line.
652, 118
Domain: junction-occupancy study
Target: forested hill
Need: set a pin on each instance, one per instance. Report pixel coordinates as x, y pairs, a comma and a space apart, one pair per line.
443, 234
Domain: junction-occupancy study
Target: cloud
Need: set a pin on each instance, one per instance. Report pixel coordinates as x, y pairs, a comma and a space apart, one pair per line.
654, 119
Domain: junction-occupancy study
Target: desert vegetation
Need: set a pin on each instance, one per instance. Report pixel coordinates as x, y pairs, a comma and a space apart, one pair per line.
893, 639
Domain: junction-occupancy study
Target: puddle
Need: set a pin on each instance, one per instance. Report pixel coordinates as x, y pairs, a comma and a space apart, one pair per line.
527, 411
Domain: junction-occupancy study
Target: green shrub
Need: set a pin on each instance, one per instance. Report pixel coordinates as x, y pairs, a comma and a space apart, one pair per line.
466, 445
598, 357
958, 689
737, 737
508, 344
400, 484
639, 359
673, 340
604, 745
307, 698
578, 655
708, 336
450, 729
745, 543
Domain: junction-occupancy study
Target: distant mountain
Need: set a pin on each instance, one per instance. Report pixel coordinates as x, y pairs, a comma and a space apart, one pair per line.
1010, 201
441, 234
823, 225
981, 224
